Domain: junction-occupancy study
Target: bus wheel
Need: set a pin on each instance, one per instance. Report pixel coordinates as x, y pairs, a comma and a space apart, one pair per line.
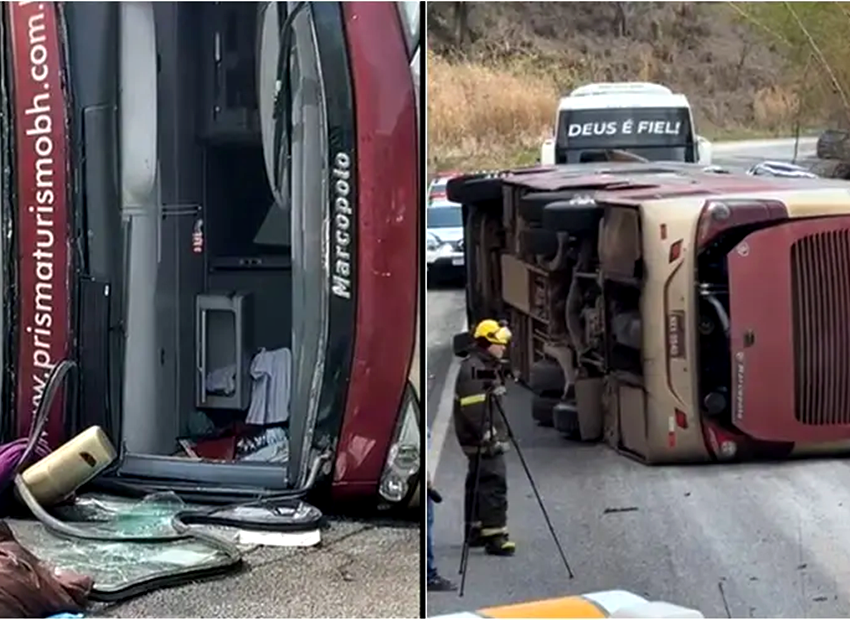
539, 242
576, 219
546, 375
565, 420
532, 206
541, 409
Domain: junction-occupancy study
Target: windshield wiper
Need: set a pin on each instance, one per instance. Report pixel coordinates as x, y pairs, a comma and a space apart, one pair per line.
282, 113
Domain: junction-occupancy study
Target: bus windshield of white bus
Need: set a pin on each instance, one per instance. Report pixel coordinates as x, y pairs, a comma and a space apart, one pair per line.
656, 134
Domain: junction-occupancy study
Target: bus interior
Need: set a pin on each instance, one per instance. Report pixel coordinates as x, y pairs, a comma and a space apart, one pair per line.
209, 356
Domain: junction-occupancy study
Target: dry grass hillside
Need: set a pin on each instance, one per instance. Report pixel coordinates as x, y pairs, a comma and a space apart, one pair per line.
497, 69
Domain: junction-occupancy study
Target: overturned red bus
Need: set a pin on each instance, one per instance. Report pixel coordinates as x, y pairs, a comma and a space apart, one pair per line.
212, 208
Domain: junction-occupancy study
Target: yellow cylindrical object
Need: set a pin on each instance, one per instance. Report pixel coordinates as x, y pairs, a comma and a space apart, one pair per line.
65, 470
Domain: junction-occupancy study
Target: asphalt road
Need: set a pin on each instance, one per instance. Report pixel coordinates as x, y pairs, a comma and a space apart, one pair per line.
746, 153
753, 540
363, 569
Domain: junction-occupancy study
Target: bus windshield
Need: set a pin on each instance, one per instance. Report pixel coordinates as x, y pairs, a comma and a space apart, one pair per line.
656, 134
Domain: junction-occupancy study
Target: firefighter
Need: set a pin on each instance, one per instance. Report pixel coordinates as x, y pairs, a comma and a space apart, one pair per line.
483, 437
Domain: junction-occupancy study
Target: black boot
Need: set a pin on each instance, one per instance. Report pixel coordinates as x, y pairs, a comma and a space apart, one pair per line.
499, 544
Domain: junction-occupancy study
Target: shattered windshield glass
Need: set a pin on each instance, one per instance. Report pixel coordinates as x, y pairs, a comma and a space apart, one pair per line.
121, 568
216, 538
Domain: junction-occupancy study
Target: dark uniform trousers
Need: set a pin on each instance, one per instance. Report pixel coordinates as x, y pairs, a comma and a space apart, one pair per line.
480, 428
491, 509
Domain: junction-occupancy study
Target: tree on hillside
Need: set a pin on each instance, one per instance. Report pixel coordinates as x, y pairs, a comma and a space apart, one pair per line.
622, 19
461, 22
812, 34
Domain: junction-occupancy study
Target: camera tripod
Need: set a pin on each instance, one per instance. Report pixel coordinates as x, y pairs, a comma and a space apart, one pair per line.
492, 402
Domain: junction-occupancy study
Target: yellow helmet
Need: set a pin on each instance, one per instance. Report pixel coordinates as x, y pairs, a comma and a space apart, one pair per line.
493, 332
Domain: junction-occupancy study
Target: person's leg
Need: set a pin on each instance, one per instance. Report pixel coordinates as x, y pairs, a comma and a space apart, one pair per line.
435, 582
499, 486
493, 500
429, 541
489, 497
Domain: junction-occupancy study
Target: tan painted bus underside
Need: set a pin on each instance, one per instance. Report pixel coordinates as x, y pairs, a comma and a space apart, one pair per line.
632, 411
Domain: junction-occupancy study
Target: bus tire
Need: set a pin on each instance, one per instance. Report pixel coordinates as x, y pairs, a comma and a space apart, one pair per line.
541, 409
531, 205
565, 420
540, 242
546, 376
575, 219
473, 191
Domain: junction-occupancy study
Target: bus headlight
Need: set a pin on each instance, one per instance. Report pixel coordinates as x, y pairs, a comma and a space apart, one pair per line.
404, 459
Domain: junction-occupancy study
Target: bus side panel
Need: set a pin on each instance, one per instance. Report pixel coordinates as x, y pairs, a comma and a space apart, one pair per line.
387, 226
43, 223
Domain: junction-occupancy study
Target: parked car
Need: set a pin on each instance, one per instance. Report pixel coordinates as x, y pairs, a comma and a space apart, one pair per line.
444, 239
437, 188
781, 169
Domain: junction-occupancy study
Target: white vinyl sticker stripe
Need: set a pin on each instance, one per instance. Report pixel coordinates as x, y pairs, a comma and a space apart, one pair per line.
613, 600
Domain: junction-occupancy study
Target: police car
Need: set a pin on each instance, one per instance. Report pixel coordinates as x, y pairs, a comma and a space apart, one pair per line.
444, 238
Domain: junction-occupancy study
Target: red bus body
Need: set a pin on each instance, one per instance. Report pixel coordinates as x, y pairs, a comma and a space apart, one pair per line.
52, 219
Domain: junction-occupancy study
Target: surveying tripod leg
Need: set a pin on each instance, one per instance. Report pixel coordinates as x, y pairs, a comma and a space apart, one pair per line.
473, 510
528, 475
